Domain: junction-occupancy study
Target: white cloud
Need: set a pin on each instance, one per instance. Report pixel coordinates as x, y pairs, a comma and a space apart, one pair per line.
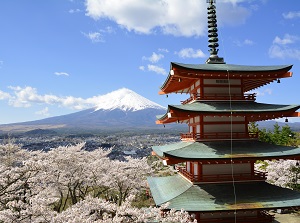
244, 43
44, 112
157, 69
4, 95
28, 96
266, 91
229, 11
248, 42
234, 2
285, 47
108, 29
190, 53
95, 37
276, 51
287, 39
98, 36
61, 74
25, 97
163, 50
291, 15
144, 16
74, 11
154, 58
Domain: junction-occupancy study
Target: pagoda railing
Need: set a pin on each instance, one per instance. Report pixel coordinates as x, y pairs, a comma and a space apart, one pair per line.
220, 97
256, 176
240, 219
218, 136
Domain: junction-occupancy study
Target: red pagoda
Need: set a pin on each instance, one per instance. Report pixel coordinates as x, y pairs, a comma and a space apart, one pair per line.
216, 180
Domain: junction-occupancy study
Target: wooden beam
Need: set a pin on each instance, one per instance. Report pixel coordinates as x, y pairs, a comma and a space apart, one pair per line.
295, 114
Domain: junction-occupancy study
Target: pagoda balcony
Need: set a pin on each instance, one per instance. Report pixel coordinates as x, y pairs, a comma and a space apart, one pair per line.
220, 97
261, 218
219, 178
218, 136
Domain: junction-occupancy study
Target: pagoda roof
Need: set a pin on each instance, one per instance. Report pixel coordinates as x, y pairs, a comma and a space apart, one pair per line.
253, 76
181, 194
179, 112
231, 67
224, 150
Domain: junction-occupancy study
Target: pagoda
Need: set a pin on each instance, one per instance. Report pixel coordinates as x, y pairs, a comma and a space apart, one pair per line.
216, 179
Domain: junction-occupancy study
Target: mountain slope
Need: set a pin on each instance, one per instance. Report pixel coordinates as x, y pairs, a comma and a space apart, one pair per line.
122, 108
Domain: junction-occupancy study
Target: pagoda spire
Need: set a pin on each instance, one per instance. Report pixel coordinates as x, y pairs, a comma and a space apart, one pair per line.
213, 34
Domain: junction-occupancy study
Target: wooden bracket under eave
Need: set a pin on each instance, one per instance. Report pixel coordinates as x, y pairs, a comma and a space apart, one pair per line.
159, 122
287, 74
295, 114
153, 153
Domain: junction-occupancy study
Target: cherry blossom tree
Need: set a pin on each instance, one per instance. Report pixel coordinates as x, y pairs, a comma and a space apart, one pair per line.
283, 173
18, 169
69, 184
99, 210
127, 177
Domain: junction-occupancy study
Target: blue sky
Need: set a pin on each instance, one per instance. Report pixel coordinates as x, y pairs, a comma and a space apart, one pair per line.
58, 56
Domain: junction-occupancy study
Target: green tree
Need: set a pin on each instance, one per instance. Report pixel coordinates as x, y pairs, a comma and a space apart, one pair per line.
279, 135
283, 136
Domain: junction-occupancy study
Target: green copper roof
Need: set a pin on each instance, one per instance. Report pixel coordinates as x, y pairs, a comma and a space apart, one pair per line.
218, 107
164, 189
244, 107
220, 197
222, 150
231, 67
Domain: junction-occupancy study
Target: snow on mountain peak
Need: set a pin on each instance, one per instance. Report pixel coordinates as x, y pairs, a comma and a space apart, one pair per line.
125, 100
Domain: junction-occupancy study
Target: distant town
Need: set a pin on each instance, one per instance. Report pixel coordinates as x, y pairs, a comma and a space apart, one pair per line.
136, 145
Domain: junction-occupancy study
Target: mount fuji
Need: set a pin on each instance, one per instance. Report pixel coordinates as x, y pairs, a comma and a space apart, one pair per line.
119, 109
125, 100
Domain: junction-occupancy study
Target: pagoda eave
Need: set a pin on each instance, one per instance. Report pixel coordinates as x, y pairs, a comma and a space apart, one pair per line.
169, 160
182, 76
247, 75
180, 116
181, 194
229, 68
224, 151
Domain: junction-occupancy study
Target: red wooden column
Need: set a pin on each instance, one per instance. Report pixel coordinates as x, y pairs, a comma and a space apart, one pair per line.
252, 168
201, 88
201, 127
200, 172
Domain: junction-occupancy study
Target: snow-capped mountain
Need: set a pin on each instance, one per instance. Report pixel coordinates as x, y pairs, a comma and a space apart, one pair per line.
126, 100
119, 109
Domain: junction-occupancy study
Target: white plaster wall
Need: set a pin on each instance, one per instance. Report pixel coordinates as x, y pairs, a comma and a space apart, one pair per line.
223, 119
222, 90
209, 169
196, 169
224, 128
188, 167
198, 129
